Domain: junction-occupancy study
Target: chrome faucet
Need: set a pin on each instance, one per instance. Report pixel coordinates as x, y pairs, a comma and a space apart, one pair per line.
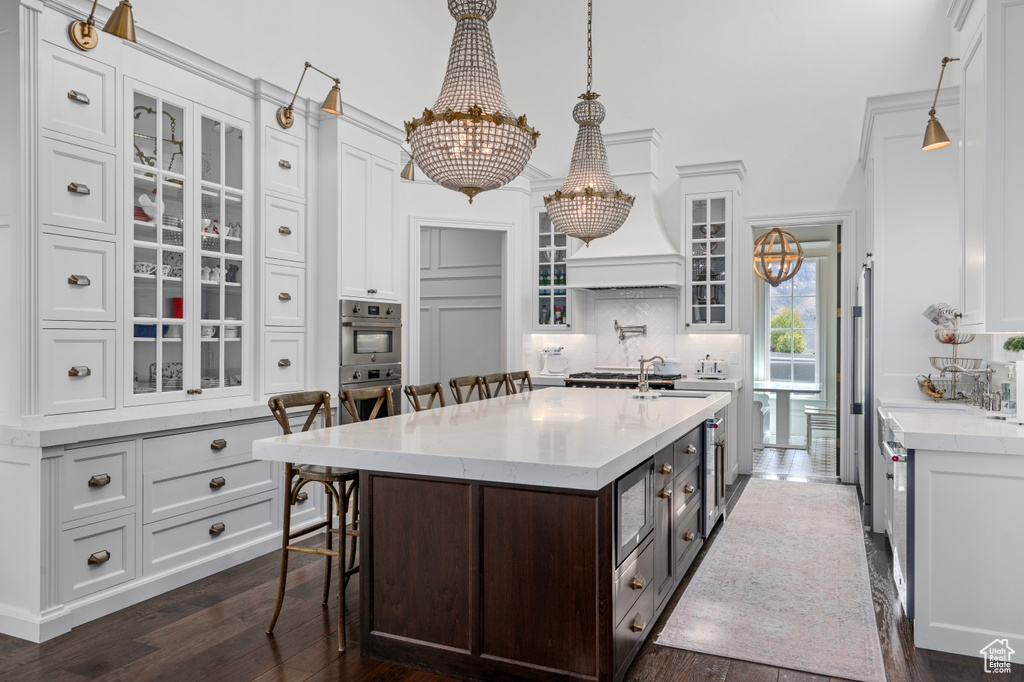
645, 371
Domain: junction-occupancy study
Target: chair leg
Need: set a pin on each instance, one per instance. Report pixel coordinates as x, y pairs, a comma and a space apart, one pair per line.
330, 545
341, 598
287, 529
355, 538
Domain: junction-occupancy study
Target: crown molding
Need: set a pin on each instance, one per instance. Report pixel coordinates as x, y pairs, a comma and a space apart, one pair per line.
958, 11
628, 136
701, 170
893, 104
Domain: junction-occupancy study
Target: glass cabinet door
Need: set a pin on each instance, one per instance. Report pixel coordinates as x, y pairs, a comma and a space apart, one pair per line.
159, 209
222, 233
552, 311
190, 213
709, 243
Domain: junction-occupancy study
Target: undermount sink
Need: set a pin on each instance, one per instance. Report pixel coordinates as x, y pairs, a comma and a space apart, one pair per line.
684, 394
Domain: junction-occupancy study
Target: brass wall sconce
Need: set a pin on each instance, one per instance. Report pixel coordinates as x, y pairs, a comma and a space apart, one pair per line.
121, 24
934, 136
331, 105
409, 172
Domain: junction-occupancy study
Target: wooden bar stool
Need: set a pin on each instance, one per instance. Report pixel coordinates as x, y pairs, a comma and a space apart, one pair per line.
524, 379
497, 384
414, 393
472, 383
339, 484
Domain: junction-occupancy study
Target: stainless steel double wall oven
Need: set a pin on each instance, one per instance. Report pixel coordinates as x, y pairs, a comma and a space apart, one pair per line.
371, 350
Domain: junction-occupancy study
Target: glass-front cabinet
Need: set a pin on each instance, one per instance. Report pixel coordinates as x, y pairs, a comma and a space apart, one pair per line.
552, 302
189, 207
708, 240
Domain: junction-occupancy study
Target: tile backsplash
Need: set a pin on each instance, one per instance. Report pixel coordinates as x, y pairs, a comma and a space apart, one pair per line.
599, 347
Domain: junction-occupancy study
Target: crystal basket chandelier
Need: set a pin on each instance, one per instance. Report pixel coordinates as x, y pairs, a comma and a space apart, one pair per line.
470, 141
589, 205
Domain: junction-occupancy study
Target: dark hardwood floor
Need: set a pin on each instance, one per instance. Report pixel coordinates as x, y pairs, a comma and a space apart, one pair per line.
214, 629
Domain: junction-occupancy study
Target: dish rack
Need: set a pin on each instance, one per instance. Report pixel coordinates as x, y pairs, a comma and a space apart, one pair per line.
960, 379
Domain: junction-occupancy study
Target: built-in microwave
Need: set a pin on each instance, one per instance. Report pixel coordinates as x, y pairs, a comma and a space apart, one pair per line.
634, 509
371, 333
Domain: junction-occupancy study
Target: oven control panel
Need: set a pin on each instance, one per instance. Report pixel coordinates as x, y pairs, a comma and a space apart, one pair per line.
374, 374
371, 310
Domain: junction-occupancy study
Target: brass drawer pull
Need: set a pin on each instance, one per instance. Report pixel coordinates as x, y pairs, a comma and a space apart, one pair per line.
218, 444
82, 371
888, 475
79, 97
639, 582
217, 529
371, 291
638, 624
284, 362
690, 450
285, 230
99, 480
301, 497
284, 296
666, 469
283, 163
218, 482
665, 493
79, 280
689, 536
688, 489
99, 558
79, 188
194, 391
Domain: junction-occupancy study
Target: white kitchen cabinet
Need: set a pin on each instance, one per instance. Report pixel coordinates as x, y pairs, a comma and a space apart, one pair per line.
711, 196
76, 187
992, 164
369, 225
556, 308
76, 372
77, 95
76, 279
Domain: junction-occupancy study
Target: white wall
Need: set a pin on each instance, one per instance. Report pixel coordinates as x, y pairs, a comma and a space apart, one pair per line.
460, 303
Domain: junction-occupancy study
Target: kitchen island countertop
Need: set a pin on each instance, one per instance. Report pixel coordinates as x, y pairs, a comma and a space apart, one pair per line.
558, 437
959, 433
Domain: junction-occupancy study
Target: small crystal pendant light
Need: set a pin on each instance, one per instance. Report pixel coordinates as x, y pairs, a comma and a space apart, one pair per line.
589, 205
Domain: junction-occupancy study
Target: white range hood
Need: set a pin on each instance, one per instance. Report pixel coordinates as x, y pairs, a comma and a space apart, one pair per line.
639, 254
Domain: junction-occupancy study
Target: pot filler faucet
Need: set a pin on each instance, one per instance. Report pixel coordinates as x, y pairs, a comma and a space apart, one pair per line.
645, 371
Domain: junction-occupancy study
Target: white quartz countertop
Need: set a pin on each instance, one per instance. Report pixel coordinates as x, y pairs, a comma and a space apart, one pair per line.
695, 384
959, 433
69, 429
558, 437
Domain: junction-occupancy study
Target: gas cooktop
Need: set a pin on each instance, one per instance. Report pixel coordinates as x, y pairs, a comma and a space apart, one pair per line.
618, 379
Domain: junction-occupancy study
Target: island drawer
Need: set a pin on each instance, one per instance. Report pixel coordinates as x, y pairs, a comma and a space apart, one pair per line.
632, 581
688, 540
664, 469
98, 479
688, 449
171, 492
633, 628
686, 494
200, 449
195, 536
97, 556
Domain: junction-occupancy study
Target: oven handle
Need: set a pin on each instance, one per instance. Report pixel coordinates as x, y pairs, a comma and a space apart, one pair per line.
374, 325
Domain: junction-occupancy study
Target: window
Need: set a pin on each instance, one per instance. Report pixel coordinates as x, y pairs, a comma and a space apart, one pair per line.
792, 331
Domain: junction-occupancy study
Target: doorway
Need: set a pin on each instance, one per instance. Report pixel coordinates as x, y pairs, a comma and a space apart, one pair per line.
796, 344
461, 303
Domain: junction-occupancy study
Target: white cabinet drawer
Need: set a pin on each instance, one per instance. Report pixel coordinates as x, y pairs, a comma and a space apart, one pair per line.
76, 187
77, 95
200, 450
284, 234
97, 556
284, 362
169, 493
76, 279
193, 537
284, 162
98, 479
76, 371
284, 302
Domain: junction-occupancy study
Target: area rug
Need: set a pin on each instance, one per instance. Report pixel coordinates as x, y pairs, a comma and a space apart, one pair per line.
785, 584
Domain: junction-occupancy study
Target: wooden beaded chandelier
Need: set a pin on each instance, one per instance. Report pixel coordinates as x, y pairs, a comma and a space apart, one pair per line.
777, 256
589, 205
470, 141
